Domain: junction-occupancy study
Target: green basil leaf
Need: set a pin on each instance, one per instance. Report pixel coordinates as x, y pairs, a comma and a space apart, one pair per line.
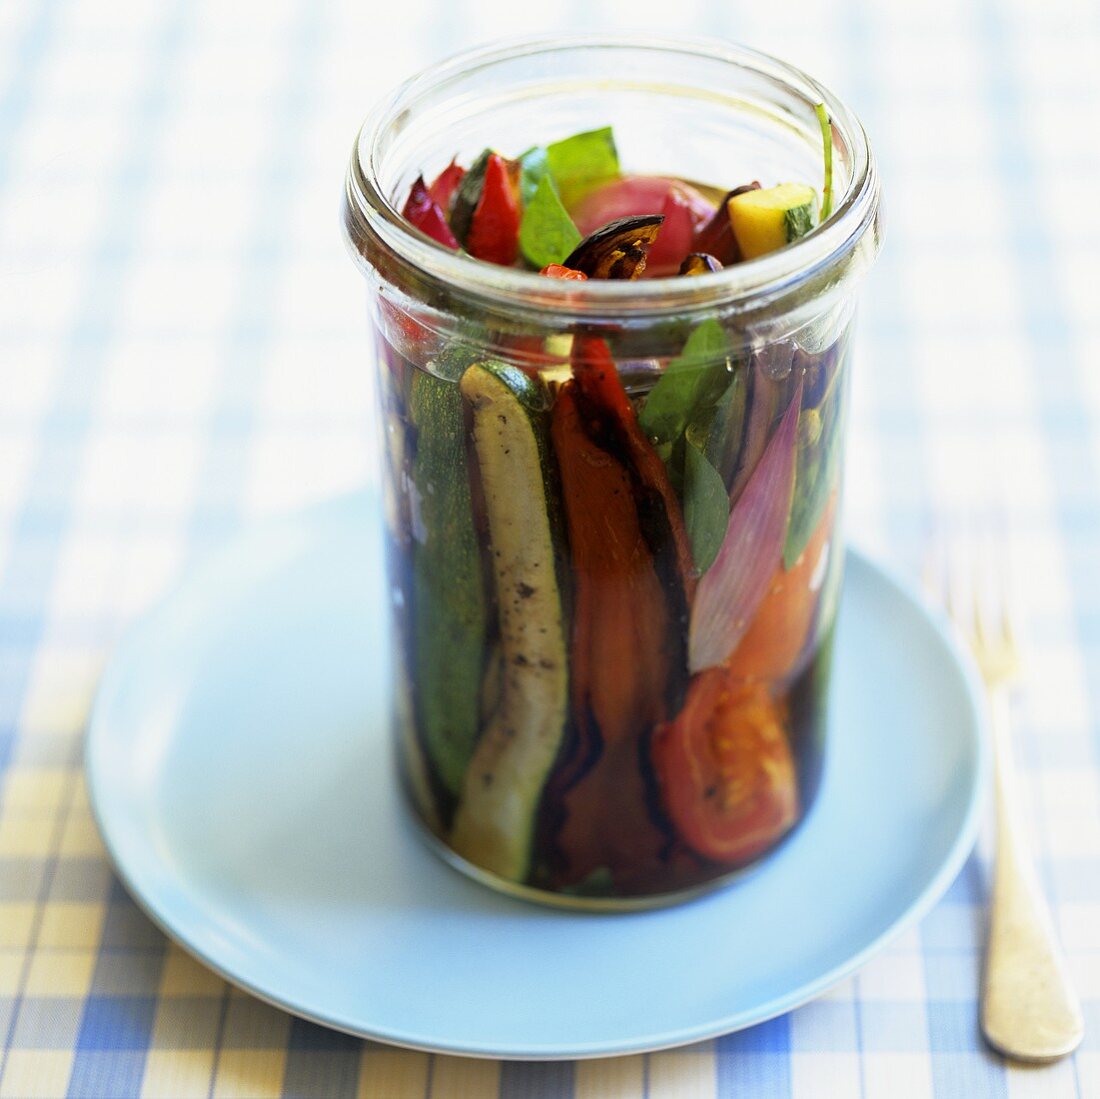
827, 148
706, 507
580, 162
697, 375
532, 167
546, 232
816, 475
724, 429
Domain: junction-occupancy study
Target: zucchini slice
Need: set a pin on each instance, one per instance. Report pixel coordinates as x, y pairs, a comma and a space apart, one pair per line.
767, 219
494, 821
448, 613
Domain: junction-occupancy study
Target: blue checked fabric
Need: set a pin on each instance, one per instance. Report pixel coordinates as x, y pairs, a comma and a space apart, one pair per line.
183, 347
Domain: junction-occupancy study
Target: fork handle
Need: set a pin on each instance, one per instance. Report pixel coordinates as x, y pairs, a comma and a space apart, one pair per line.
1029, 1010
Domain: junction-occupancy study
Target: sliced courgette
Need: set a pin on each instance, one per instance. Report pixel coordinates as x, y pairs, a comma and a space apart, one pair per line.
767, 219
448, 600
495, 818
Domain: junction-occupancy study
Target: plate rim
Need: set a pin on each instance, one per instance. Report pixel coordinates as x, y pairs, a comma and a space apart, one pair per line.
930, 894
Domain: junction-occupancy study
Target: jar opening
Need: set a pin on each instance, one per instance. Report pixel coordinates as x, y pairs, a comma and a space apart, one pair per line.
707, 80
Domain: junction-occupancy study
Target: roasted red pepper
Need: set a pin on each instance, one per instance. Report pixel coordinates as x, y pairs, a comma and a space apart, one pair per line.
599, 384
446, 183
619, 656
494, 228
423, 212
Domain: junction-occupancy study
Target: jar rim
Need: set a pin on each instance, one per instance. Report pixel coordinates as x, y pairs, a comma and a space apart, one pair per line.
747, 285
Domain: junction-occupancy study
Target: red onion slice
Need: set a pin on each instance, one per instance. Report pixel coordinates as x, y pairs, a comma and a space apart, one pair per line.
733, 587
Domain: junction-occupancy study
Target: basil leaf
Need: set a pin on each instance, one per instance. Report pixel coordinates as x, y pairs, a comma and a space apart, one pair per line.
580, 162
546, 233
827, 147
468, 196
816, 475
687, 381
723, 438
532, 167
706, 507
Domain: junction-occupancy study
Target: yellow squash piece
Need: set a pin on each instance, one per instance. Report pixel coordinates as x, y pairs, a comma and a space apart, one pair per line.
764, 220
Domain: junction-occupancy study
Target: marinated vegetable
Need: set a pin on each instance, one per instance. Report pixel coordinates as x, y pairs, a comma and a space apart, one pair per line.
448, 601
766, 219
620, 653
422, 210
715, 237
495, 820
618, 249
726, 770
494, 224
699, 263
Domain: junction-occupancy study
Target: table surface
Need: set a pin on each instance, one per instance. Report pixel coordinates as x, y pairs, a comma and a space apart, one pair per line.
184, 348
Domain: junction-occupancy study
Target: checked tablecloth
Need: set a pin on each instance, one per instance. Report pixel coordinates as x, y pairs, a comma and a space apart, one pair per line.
183, 348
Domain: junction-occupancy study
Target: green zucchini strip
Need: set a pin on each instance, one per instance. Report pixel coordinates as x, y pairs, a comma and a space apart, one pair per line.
495, 818
448, 603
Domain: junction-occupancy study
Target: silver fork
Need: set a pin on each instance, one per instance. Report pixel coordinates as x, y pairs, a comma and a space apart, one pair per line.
1029, 1010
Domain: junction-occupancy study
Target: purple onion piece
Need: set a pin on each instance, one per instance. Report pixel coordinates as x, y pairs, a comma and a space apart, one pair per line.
733, 587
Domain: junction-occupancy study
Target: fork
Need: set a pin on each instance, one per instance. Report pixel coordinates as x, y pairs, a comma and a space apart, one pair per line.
1029, 1011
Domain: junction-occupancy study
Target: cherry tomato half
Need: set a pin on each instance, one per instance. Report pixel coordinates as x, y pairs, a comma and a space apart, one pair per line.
725, 769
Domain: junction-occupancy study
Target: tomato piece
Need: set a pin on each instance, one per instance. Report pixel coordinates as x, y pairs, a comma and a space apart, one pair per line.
445, 184
725, 769
632, 195
423, 212
557, 271
677, 233
781, 630
494, 227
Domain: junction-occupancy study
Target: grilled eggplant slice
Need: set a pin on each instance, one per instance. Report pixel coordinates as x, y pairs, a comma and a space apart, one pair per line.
699, 263
618, 249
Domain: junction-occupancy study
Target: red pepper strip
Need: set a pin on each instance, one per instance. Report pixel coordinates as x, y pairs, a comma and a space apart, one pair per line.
446, 183
557, 271
423, 212
494, 228
598, 382
619, 656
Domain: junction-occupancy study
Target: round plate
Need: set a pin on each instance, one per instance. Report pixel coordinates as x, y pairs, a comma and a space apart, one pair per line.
240, 769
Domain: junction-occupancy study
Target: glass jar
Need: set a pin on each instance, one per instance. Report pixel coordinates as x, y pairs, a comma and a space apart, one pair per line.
613, 611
